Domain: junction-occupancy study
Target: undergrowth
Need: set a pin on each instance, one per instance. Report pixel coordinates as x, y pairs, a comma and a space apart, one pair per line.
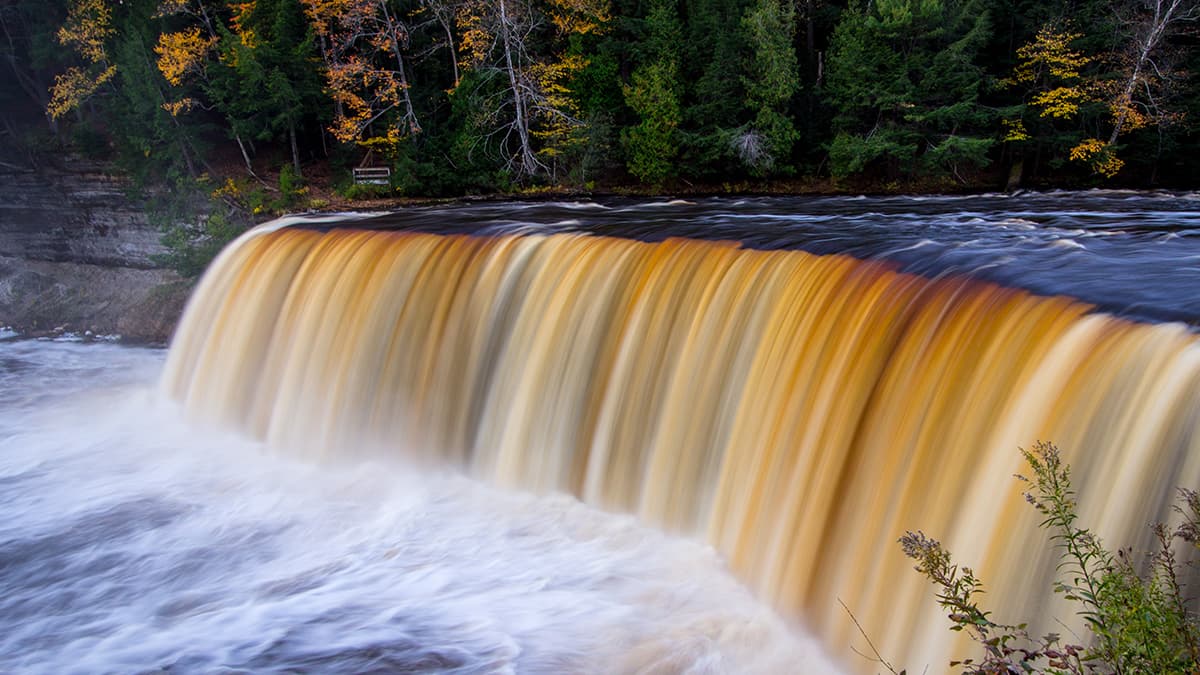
1137, 614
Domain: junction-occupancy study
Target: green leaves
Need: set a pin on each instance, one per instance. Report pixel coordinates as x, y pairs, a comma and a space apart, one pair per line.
773, 81
1140, 623
651, 144
653, 94
904, 78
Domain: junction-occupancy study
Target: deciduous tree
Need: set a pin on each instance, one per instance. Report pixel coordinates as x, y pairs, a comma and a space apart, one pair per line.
364, 44
530, 94
1052, 78
87, 29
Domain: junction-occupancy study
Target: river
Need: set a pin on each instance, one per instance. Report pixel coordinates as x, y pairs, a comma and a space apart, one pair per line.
135, 540
1132, 253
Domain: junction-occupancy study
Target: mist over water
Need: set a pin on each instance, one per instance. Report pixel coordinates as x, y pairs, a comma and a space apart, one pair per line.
133, 542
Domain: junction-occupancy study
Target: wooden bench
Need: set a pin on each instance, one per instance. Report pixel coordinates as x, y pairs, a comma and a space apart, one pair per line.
372, 175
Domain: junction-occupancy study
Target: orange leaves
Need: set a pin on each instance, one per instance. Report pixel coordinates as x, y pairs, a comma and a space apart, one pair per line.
328, 16
177, 108
363, 46
475, 39
181, 53
241, 13
350, 83
1132, 115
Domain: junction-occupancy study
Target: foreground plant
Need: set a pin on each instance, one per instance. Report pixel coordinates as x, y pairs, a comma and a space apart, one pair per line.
1139, 622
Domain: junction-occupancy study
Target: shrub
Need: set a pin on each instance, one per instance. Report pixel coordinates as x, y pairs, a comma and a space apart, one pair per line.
291, 186
192, 244
1140, 622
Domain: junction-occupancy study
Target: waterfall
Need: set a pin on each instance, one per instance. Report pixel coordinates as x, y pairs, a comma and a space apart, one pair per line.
798, 412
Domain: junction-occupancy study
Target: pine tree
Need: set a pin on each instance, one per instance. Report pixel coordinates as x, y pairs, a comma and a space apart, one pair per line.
712, 71
770, 86
904, 79
653, 94
269, 84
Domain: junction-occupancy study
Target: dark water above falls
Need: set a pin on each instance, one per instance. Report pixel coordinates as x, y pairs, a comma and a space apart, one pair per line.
1133, 254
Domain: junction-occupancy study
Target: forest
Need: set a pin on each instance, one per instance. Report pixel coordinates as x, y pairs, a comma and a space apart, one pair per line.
482, 96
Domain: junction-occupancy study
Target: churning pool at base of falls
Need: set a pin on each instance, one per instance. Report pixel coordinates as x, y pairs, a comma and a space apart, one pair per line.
133, 541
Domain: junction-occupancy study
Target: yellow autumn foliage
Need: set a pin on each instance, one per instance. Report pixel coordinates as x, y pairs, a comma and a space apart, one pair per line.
1014, 131
1098, 155
1050, 54
1134, 117
363, 44
74, 87
88, 25
579, 16
181, 52
1059, 102
241, 12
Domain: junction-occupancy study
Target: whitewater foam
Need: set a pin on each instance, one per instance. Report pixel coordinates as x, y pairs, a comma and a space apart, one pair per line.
134, 541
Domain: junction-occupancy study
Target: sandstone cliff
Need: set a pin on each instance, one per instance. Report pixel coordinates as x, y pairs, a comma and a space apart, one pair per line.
77, 254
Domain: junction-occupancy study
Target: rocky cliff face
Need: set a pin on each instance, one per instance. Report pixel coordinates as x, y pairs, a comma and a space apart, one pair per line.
77, 254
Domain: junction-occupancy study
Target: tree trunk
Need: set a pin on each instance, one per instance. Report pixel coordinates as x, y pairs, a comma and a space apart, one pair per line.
1125, 101
1014, 175
450, 44
295, 149
245, 155
529, 162
810, 30
1166, 12
410, 115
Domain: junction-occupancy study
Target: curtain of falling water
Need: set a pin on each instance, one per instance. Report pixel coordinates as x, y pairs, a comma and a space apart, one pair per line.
797, 411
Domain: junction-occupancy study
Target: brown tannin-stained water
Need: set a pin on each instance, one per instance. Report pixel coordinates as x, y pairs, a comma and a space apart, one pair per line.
797, 410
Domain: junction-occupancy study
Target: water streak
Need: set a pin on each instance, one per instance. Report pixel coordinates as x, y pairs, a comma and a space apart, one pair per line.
797, 411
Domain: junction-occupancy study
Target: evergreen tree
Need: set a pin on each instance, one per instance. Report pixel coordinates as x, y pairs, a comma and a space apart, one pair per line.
713, 96
30, 54
573, 90
770, 86
905, 84
269, 85
653, 94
